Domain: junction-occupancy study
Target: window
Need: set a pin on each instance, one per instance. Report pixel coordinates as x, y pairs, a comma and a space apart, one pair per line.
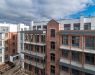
31, 37
65, 39
36, 48
36, 71
52, 32
25, 29
34, 27
75, 40
76, 26
75, 56
87, 26
14, 37
14, 50
89, 58
89, 42
36, 38
52, 57
53, 45
43, 38
75, 72
38, 27
44, 27
13, 43
25, 65
88, 74
6, 48
65, 53
67, 26
64, 68
52, 69
36, 59
42, 49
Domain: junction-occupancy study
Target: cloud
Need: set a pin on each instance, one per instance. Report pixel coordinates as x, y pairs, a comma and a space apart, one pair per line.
27, 10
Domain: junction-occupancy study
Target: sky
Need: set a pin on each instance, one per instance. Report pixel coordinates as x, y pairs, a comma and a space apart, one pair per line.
25, 11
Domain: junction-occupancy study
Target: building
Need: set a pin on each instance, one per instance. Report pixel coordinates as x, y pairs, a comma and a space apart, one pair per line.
8, 42
64, 47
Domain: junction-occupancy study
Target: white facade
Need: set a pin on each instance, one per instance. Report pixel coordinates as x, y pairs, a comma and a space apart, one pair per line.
82, 20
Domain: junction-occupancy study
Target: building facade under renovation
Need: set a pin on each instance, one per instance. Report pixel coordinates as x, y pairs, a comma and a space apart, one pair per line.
64, 47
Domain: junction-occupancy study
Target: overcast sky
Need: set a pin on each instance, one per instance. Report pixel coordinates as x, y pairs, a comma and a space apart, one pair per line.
16, 11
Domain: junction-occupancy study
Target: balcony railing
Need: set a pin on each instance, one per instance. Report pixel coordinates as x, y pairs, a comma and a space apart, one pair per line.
36, 64
65, 47
42, 55
89, 67
76, 63
64, 60
36, 43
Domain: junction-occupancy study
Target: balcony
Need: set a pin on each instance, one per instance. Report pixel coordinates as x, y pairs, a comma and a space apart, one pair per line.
89, 67
72, 64
36, 43
76, 63
64, 60
36, 64
89, 51
72, 48
65, 47
64, 73
76, 49
42, 55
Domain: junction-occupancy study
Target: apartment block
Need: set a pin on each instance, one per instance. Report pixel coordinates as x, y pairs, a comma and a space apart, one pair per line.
8, 42
59, 47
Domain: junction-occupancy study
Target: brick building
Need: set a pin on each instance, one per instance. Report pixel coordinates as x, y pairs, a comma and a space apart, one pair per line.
8, 42
64, 47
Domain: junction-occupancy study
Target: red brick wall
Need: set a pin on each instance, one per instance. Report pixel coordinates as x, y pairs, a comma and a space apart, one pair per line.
9, 39
52, 25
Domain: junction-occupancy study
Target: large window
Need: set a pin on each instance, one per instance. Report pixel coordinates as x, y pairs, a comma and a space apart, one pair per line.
88, 74
87, 26
52, 45
65, 53
75, 41
34, 27
89, 58
64, 68
36, 71
52, 69
44, 27
43, 38
38, 27
36, 38
65, 39
89, 42
36, 48
42, 49
75, 72
75, 56
52, 32
67, 26
52, 57
76, 26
